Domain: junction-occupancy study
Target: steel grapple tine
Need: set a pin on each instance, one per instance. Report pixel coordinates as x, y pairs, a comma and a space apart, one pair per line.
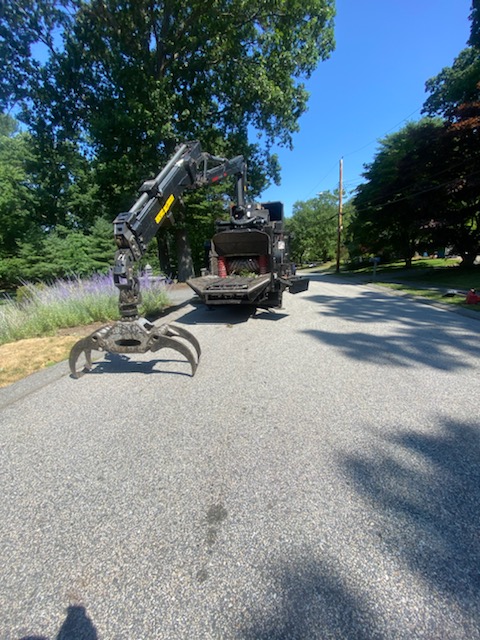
82, 346
165, 341
173, 329
138, 336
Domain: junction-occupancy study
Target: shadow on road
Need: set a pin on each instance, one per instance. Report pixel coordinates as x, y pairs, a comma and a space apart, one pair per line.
428, 485
314, 604
228, 314
120, 363
77, 626
425, 488
418, 338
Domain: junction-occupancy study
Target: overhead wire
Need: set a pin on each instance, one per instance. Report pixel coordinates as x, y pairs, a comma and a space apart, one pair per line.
350, 153
324, 178
352, 184
412, 164
415, 194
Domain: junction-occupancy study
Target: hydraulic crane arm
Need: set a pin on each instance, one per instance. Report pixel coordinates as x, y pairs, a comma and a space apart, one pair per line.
189, 168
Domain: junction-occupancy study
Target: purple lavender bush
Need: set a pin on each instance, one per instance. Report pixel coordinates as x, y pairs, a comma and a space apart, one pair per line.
42, 309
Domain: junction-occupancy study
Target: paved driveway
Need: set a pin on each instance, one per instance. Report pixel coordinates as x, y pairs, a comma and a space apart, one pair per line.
318, 478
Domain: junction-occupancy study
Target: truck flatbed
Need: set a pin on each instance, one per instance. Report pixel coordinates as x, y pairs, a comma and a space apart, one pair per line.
230, 289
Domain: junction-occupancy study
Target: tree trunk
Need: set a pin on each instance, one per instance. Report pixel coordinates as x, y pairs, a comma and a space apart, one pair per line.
409, 251
164, 254
468, 258
184, 254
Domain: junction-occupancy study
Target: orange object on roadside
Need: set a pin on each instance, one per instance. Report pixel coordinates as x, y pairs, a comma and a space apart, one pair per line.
472, 297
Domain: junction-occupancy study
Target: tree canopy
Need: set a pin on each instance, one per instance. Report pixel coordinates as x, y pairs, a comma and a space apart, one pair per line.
107, 88
423, 186
313, 228
131, 80
393, 207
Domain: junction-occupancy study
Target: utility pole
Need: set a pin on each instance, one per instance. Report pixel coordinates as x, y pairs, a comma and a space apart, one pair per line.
340, 216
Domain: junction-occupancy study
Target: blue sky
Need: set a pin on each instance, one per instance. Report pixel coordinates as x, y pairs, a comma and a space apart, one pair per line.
373, 83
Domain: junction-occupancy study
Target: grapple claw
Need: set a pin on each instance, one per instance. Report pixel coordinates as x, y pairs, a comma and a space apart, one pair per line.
135, 336
164, 341
174, 331
82, 346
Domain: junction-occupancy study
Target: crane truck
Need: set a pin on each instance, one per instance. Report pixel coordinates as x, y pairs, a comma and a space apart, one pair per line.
248, 257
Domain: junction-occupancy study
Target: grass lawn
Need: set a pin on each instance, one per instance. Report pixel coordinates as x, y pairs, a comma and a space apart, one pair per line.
428, 278
20, 359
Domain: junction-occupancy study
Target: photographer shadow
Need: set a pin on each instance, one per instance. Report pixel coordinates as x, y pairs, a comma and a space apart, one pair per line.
77, 626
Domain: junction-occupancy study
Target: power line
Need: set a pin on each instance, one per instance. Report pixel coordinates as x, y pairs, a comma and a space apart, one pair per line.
320, 181
351, 153
430, 177
415, 194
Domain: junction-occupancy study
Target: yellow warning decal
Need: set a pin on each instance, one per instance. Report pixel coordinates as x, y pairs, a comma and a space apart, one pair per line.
165, 208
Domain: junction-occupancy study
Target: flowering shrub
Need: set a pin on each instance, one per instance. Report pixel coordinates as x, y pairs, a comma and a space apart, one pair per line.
42, 309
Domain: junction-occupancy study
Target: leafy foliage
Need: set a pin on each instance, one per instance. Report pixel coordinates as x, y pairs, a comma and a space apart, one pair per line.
107, 89
17, 199
61, 253
313, 227
392, 207
423, 186
131, 80
26, 25
455, 85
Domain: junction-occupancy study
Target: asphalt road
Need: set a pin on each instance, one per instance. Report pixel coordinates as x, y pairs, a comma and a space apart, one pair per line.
319, 477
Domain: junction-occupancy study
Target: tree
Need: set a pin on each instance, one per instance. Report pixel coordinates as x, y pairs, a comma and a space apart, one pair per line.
133, 79
17, 199
41, 189
393, 209
454, 85
474, 40
313, 228
64, 252
25, 26
457, 196
458, 84
423, 186
154, 73
455, 94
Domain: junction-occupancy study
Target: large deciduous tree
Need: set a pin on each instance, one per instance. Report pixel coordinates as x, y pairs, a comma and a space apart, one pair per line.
17, 198
424, 184
455, 95
132, 79
458, 84
393, 207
